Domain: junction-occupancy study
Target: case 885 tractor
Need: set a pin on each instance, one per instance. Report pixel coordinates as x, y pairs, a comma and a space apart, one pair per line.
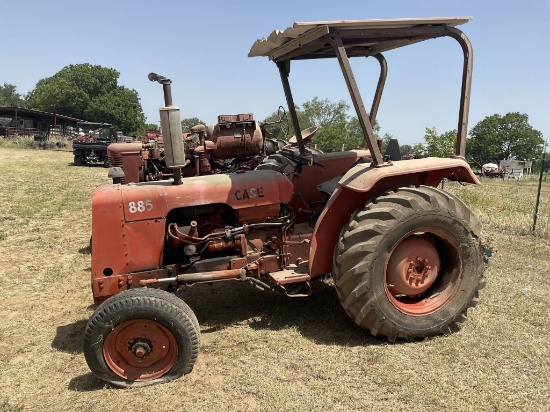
406, 257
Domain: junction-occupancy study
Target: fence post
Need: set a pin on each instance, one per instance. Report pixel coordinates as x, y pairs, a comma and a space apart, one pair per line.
539, 189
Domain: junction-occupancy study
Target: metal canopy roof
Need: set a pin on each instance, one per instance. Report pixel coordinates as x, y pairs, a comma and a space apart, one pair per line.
359, 37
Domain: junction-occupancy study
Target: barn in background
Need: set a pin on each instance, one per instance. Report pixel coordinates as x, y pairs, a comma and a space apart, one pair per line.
27, 122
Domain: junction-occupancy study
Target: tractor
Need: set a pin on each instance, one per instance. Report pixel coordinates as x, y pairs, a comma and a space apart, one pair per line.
406, 258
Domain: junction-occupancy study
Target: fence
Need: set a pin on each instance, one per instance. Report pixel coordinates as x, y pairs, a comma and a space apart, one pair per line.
21, 131
508, 204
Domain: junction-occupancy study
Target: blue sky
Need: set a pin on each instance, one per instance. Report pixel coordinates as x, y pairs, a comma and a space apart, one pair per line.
203, 46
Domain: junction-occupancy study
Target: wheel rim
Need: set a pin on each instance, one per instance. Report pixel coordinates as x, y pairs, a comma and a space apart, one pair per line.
423, 271
140, 350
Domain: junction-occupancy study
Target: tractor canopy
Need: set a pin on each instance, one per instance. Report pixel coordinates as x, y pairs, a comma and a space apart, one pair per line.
344, 39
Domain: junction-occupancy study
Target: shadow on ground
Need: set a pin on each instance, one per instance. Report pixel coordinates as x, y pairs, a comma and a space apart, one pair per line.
69, 338
319, 317
87, 383
100, 165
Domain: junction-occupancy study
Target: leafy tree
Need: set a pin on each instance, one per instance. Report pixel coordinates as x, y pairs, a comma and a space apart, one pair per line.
355, 135
406, 149
332, 121
435, 145
188, 123
9, 96
503, 137
439, 145
336, 129
419, 150
282, 128
89, 92
119, 107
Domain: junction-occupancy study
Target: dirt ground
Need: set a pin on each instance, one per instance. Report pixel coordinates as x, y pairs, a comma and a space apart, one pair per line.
259, 351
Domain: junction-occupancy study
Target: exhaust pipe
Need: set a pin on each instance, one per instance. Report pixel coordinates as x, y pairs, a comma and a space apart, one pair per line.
170, 123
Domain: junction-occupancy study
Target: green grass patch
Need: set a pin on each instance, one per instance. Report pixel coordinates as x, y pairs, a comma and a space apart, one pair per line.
507, 204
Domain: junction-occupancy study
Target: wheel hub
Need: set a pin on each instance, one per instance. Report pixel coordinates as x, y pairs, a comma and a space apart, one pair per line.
141, 348
412, 267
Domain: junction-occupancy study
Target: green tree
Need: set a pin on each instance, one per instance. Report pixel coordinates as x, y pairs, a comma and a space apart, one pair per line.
419, 150
189, 122
439, 145
435, 145
9, 96
332, 121
92, 93
355, 135
503, 137
280, 127
336, 129
119, 107
405, 149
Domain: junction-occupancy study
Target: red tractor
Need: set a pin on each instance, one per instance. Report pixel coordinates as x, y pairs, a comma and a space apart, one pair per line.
406, 257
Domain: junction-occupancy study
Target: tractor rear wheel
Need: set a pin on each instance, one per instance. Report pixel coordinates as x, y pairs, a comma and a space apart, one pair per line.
141, 337
410, 263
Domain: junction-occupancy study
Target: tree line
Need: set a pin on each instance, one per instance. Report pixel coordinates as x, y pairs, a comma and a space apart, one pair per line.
494, 138
83, 91
92, 92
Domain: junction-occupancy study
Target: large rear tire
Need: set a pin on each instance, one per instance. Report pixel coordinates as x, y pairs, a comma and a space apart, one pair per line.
141, 337
410, 263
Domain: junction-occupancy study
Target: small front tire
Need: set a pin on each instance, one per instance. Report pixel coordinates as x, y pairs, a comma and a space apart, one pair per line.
141, 337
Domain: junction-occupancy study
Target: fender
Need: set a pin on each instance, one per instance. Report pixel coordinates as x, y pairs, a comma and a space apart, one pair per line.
363, 182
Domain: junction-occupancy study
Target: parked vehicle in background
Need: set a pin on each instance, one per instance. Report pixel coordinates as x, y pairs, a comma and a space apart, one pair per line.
90, 144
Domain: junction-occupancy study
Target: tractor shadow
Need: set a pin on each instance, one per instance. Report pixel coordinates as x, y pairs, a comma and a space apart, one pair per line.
86, 250
69, 338
319, 317
100, 165
87, 383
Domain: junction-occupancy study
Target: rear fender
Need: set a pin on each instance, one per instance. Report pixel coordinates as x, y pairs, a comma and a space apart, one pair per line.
363, 182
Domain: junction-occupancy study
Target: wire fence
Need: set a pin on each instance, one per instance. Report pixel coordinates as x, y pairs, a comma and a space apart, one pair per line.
508, 204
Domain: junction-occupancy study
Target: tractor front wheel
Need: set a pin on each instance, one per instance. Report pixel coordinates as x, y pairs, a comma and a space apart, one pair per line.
410, 263
141, 337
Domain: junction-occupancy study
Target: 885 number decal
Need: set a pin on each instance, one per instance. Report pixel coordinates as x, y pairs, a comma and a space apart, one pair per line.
140, 206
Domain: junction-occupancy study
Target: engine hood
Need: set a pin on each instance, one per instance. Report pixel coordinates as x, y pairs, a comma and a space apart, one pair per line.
152, 200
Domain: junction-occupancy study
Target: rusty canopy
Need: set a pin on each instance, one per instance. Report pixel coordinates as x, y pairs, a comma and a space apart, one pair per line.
344, 39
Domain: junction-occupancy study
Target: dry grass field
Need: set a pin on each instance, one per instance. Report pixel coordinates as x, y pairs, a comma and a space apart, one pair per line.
259, 351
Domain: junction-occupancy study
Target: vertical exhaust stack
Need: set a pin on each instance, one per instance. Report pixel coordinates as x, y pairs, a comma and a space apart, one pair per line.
170, 123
